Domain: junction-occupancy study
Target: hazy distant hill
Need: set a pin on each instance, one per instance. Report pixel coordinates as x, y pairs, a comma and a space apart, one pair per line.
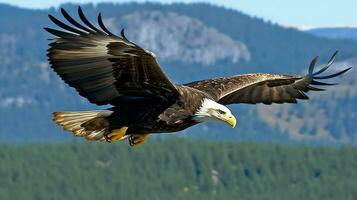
192, 41
335, 33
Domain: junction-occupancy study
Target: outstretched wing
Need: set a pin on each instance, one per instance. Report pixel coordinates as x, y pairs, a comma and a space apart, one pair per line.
265, 88
104, 67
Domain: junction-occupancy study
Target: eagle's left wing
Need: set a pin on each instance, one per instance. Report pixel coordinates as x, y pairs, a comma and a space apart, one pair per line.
265, 88
103, 67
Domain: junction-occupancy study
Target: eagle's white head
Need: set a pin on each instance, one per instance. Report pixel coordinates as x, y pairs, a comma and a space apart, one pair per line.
213, 111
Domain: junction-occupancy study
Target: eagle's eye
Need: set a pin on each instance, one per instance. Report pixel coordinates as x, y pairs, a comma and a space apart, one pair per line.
221, 112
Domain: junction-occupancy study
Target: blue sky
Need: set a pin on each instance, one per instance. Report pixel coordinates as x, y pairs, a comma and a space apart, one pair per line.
298, 13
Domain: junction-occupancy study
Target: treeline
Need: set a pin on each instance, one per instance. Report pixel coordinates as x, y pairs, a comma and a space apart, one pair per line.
177, 169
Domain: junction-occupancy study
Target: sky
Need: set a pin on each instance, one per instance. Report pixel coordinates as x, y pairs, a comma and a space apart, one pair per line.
302, 14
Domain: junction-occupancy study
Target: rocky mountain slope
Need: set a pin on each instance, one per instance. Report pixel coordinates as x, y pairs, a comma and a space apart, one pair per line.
180, 38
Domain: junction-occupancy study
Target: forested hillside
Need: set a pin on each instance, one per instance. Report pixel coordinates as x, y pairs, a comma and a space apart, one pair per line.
177, 169
192, 41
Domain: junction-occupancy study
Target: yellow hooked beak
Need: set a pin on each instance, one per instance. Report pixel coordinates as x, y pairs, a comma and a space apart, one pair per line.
230, 119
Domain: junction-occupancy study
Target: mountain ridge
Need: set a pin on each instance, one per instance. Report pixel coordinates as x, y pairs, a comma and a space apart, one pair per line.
349, 33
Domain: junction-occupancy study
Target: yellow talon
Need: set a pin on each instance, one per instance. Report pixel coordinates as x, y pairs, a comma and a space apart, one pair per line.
117, 134
137, 139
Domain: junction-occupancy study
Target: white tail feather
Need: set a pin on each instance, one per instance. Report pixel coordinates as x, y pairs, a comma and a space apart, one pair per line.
72, 121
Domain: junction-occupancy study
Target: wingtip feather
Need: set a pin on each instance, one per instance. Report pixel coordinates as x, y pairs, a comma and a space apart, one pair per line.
333, 75
102, 26
86, 21
312, 64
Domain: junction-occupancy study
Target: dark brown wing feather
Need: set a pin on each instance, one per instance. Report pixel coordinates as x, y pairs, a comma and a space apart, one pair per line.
104, 67
264, 88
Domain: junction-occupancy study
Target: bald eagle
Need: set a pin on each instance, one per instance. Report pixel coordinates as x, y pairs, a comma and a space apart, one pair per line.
110, 69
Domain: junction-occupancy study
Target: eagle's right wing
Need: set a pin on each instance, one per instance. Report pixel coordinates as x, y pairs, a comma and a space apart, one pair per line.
264, 88
104, 67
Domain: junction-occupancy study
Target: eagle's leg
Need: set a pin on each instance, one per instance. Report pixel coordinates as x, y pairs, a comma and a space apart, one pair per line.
116, 134
137, 139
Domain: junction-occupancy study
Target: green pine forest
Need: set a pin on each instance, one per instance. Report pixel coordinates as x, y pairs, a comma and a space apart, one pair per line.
177, 168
